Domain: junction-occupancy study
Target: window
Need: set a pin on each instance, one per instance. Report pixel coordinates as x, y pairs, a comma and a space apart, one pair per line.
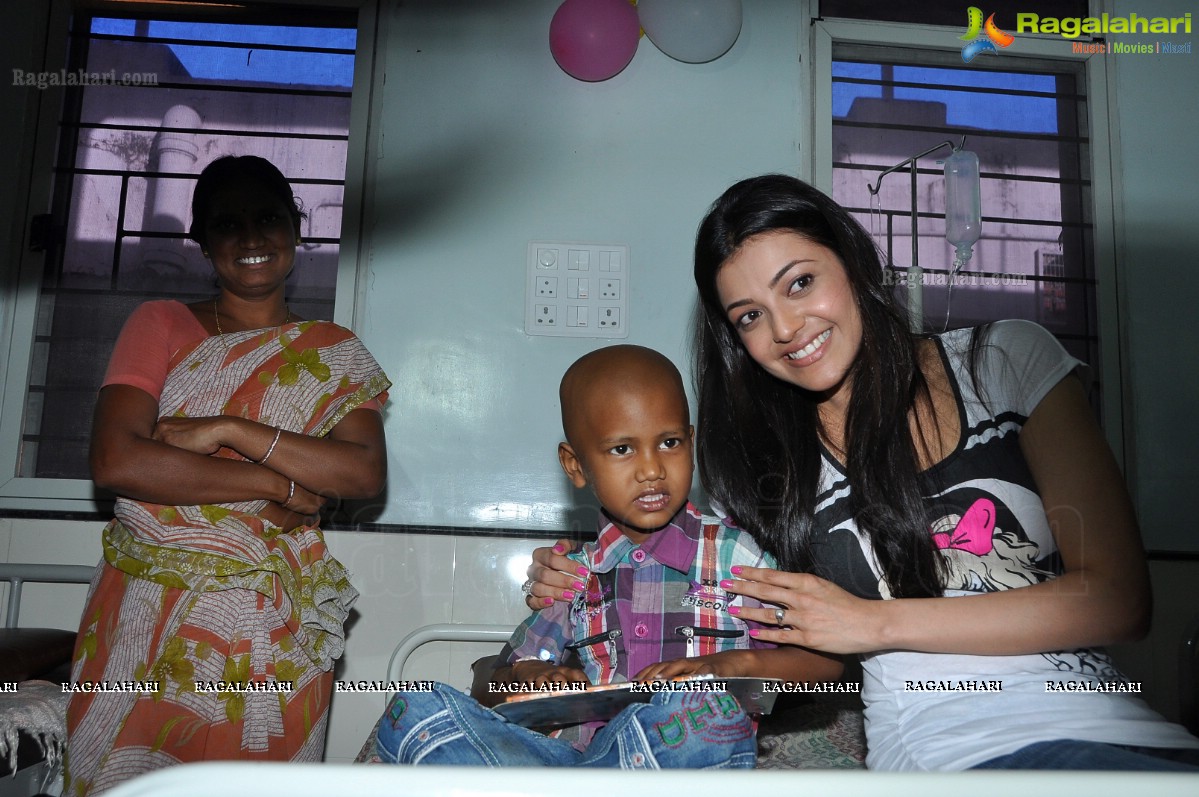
1026, 121
162, 92
884, 92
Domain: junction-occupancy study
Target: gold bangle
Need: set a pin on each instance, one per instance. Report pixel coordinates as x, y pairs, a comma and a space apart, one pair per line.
291, 492
271, 450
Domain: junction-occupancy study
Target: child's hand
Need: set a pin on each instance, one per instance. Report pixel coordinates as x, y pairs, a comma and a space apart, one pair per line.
540, 673
553, 577
683, 668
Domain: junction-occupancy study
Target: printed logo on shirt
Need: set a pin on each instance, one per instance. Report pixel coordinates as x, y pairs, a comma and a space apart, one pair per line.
591, 602
706, 595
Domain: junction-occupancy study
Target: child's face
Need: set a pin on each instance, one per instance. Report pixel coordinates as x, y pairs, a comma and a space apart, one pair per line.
633, 447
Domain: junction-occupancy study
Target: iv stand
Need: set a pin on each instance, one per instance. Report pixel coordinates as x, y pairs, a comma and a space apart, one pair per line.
915, 274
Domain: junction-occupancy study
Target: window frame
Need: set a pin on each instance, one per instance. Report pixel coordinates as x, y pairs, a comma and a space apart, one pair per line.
817, 137
21, 286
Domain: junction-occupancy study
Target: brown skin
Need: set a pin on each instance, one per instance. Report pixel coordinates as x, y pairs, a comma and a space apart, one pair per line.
633, 447
136, 454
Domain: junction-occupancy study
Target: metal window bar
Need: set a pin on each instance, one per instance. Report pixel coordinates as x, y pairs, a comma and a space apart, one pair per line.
123, 232
236, 45
907, 84
72, 127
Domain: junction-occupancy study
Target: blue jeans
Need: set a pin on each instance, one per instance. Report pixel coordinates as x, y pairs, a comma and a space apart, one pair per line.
708, 730
1069, 754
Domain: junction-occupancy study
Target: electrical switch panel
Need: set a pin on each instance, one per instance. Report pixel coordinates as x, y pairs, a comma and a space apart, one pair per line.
577, 290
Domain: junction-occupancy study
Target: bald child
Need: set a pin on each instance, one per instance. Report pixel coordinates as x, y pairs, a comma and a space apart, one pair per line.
647, 603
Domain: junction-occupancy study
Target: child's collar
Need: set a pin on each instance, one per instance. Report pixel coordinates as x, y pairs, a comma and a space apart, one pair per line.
674, 545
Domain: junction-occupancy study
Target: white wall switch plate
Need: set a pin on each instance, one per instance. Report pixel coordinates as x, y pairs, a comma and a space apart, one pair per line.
577, 290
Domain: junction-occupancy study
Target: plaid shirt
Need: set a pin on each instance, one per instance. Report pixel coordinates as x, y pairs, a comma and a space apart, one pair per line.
647, 603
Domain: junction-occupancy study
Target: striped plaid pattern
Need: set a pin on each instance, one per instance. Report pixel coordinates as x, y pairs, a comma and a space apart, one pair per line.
647, 593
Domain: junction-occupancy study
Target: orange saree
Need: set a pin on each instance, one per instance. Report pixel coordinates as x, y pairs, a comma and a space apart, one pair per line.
210, 633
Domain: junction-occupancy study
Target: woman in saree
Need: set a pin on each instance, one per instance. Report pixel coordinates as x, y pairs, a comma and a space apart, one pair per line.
223, 427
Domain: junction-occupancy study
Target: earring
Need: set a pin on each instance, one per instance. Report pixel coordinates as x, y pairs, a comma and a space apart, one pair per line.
299, 240
205, 253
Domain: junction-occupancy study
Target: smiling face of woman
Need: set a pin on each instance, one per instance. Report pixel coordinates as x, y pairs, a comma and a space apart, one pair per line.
791, 304
250, 238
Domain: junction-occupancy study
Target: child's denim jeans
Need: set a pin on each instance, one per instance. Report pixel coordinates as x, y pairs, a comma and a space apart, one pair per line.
702, 730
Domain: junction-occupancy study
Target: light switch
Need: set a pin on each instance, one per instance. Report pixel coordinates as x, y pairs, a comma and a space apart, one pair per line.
611, 260
577, 290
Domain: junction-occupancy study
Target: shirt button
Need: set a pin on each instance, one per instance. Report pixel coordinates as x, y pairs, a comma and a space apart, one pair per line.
638, 556
641, 630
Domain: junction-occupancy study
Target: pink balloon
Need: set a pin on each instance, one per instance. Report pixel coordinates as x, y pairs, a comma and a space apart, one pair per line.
594, 39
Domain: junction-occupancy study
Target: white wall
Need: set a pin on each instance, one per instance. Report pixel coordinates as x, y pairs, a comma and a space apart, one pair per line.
1158, 120
485, 144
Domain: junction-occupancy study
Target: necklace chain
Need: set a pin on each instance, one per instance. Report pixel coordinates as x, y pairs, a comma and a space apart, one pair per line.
216, 316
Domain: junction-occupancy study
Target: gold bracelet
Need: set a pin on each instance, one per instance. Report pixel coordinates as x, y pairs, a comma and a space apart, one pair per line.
271, 450
291, 492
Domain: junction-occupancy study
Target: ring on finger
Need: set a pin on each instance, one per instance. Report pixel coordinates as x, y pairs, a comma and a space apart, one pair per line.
527, 587
779, 615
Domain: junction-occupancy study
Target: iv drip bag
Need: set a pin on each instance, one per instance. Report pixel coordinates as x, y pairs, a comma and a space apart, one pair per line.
963, 204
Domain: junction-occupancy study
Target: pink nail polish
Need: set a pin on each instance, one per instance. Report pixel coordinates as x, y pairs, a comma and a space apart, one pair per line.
734, 610
547, 601
726, 584
754, 632
558, 548
568, 594
580, 585
582, 571
736, 570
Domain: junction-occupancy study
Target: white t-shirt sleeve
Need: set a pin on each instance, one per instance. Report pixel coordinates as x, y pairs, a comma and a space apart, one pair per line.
1022, 361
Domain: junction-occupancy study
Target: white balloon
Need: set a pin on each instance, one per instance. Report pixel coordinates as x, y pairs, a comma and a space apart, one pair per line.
694, 31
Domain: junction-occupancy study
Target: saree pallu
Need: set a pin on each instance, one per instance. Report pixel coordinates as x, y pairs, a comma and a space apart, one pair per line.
219, 628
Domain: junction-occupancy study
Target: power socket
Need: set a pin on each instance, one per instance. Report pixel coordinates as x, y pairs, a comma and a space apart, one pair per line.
546, 315
609, 289
609, 318
547, 287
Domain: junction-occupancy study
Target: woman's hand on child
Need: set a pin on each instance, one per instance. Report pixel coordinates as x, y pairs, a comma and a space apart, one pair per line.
554, 577
817, 613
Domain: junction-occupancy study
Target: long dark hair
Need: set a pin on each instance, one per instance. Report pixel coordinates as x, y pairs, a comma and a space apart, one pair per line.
234, 168
758, 438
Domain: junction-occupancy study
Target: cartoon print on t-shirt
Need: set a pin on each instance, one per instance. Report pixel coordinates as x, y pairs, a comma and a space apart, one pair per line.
984, 547
979, 532
1087, 662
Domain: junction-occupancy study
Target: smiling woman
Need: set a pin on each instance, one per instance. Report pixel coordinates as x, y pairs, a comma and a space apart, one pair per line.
929, 499
786, 297
248, 227
269, 79
223, 426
